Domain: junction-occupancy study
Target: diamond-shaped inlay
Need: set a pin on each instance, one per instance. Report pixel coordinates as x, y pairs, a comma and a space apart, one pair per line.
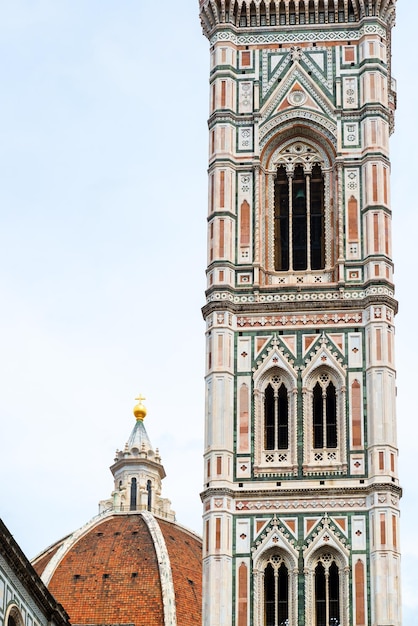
243, 536
244, 468
359, 533
244, 354
357, 464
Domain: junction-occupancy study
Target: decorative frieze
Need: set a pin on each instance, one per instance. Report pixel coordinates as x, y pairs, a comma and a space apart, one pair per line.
301, 505
325, 319
298, 36
283, 296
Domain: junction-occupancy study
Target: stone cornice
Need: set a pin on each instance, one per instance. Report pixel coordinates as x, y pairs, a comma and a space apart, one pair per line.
298, 305
304, 492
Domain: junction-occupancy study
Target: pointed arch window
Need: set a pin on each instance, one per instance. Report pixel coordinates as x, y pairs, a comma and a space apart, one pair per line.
327, 592
325, 436
324, 411
299, 239
276, 416
276, 592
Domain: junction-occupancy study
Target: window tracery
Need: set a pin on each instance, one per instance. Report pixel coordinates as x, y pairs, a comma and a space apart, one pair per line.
324, 423
275, 414
276, 592
299, 214
326, 584
275, 589
324, 414
327, 592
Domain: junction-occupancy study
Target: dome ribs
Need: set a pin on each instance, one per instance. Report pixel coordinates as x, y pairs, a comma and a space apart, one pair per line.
185, 552
111, 575
94, 579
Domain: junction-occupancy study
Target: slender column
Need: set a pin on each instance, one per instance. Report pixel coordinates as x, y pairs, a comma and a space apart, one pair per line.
345, 596
276, 596
340, 223
324, 417
327, 595
308, 221
290, 179
276, 419
269, 252
258, 577
292, 597
256, 246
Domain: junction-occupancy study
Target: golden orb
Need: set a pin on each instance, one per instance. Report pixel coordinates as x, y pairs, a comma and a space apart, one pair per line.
139, 410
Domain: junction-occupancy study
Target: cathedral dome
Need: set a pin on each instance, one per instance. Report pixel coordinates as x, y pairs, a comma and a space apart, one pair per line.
132, 564
126, 568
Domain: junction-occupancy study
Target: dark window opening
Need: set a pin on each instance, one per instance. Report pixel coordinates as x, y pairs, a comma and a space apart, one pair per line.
331, 420
133, 500
276, 418
299, 220
324, 416
299, 241
282, 419
320, 595
281, 221
334, 594
149, 495
318, 420
276, 595
327, 595
269, 418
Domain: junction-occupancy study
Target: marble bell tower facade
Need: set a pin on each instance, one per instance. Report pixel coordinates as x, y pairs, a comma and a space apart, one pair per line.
301, 491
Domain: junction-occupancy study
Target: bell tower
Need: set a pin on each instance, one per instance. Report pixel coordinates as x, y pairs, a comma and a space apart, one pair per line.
301, 491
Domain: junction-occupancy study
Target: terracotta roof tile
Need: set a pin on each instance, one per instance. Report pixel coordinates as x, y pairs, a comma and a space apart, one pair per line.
111, 576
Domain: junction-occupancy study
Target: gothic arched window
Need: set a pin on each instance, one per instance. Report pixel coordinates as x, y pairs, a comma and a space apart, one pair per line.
324, 414
299, 240
276, 592
325, 428
276, 417
327, 592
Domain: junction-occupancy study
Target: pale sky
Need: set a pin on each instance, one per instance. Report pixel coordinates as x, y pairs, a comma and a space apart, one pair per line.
103, 199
